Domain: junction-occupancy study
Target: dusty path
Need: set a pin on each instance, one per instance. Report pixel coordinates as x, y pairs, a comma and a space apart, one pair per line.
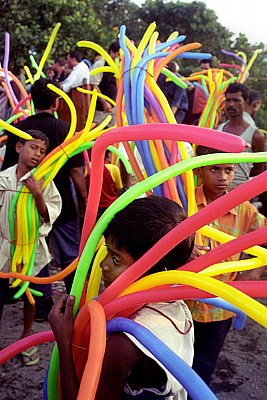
241, 372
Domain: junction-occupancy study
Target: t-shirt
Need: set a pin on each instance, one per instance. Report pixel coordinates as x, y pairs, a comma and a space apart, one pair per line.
78, 76
172, 324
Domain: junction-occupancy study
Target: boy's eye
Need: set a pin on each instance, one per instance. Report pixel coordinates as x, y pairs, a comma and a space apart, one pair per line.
115, 260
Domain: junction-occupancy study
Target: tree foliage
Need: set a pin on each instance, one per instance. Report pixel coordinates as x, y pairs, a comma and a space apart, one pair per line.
30, 25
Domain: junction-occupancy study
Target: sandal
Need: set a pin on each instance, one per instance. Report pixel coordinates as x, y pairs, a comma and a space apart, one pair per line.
28, 356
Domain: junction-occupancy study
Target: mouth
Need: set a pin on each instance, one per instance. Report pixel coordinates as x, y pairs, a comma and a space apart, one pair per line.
105, 281
222, 187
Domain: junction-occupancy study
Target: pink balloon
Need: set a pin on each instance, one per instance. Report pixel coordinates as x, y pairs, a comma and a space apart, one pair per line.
203, 217
23, 344
126, 305
221, 140
225, 250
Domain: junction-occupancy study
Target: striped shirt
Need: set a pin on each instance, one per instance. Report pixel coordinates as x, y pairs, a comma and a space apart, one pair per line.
242, 219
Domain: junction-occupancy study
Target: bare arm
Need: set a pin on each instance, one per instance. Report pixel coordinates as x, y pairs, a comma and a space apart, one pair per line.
78, 179
61, 322
252, 275
36, 188
128, 364
258, 144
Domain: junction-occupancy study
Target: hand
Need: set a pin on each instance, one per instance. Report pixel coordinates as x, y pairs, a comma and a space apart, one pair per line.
107, 107
34, 186
61, 320
198, 251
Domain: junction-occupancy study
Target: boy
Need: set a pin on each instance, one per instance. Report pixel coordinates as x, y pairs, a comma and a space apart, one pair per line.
48, 203
211, 323
132, 372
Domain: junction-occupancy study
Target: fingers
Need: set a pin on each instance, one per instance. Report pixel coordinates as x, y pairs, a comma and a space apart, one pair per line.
57, 307
69, 307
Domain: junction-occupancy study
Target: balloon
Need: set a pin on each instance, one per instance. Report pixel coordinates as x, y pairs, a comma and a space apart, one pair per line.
6, 59
187, 227
240, 318
188, 378
97, 346
47, 50
23, 344
126, 305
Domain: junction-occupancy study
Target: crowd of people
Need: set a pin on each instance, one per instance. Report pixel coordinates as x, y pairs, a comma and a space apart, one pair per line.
132, 372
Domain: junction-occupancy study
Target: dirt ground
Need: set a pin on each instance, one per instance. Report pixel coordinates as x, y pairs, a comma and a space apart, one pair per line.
240, 375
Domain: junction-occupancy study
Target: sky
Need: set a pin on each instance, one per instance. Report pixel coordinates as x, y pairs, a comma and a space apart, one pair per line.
239, 16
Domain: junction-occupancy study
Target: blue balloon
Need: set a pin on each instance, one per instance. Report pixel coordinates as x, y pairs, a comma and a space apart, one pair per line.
188, 378
240, 319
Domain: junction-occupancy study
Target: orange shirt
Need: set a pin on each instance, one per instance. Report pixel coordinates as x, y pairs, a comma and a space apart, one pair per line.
236, 222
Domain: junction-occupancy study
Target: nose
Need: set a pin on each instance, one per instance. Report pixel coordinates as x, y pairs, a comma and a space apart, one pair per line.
104, 265
222, 176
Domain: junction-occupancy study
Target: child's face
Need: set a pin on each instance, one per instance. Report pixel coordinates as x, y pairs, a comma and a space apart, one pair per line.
115, 262
32, 152
216, 179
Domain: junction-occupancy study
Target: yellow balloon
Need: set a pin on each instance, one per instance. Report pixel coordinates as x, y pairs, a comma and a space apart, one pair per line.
96, 273
251, 307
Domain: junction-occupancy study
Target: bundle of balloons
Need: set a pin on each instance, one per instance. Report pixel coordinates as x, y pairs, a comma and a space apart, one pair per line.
144, 118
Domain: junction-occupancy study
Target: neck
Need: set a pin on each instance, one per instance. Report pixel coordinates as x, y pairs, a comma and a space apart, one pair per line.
210, 196
21, 170
49, 111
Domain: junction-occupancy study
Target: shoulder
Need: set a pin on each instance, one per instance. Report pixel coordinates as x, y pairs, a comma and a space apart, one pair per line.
258, 140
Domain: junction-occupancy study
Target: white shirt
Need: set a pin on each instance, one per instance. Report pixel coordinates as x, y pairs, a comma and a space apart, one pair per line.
76, 77
8, 188
97, 78
158, 322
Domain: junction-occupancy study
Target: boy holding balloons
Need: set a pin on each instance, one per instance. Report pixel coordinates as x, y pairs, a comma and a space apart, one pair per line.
212, 323
129, 370
48, 203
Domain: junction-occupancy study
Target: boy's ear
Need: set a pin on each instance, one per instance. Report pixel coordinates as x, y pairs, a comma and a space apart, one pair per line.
198, 172
19, 147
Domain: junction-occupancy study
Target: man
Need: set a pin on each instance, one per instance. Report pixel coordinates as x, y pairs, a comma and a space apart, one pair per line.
59, 69
176, 96
79, 75
200, 100
236, 98
105, 83
66, 231
252, 107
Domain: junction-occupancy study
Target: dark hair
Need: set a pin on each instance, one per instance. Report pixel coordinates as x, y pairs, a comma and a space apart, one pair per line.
203, 150
35, 134
254, 96
114, 46
173, 66
76, 54
206, 61
42, 97
143, 223
59, 61
238, 87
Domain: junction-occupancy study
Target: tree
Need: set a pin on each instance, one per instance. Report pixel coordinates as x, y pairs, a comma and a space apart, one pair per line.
30, 25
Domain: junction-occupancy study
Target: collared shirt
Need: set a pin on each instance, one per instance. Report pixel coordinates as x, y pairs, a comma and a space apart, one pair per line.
76, 78
242, 219
8, 188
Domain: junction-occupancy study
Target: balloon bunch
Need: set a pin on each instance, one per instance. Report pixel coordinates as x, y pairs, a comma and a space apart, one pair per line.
137, 77
214, 82
245, 65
